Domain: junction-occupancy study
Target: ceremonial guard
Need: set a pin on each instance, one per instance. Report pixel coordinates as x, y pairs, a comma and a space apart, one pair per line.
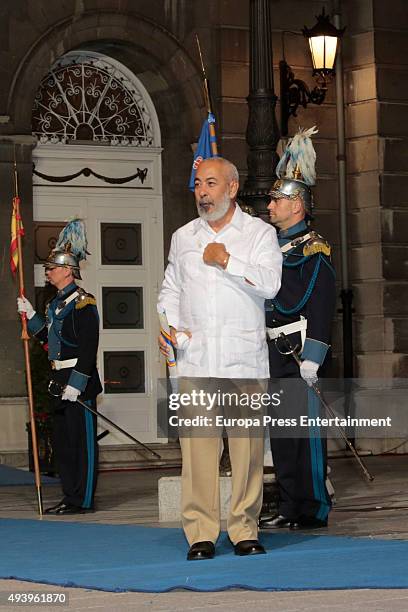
70, 334
303, 311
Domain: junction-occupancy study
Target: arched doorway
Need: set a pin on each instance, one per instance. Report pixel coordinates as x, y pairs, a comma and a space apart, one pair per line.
99, 157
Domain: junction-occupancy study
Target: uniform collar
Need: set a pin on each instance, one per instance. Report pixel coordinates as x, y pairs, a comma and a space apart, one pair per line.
294, 229
237, 221
67, 290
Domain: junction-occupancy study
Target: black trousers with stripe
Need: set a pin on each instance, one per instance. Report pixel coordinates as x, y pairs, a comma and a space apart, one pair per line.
300, 462
76, 451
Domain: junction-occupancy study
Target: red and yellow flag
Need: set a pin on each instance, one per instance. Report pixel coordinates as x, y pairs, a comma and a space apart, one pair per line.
16, 229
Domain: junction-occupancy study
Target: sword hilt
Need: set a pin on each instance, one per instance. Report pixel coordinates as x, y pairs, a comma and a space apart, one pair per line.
290, 349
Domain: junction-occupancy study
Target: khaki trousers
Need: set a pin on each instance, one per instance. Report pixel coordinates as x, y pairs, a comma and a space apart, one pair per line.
200, 504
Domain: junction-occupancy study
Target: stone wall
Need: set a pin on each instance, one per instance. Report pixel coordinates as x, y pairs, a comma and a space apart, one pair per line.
377, 113
12, 369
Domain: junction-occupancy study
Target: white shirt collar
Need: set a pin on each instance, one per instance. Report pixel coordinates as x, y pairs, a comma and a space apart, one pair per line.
237, 221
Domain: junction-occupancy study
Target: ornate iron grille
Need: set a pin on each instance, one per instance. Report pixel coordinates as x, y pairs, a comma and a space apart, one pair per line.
85, 98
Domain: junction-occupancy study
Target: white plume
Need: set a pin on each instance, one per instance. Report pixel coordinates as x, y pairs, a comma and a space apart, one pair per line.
301, 154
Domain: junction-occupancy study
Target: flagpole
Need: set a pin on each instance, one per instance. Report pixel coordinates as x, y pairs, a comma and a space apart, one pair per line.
25, 338
205, 80
207, 100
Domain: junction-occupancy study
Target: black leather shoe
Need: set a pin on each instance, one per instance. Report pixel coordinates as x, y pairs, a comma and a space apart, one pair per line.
249, 547
63, 508
276, 521
54, 509
201, 550
308, 522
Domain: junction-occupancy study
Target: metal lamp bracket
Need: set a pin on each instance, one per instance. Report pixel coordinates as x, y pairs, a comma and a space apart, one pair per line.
294, 93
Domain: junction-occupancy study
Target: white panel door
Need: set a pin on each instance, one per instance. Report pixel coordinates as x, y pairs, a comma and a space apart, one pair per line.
123, 271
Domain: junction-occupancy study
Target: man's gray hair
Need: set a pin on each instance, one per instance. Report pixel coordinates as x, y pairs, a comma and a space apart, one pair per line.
232, 171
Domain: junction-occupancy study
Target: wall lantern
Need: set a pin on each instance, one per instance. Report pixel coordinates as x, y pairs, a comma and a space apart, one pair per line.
323, 40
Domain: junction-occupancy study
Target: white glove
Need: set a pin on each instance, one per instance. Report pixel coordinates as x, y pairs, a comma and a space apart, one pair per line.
23, 305
182, 340
308, 371
70, 394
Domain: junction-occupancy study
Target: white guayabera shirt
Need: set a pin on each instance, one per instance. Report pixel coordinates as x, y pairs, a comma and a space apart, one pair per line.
223, 311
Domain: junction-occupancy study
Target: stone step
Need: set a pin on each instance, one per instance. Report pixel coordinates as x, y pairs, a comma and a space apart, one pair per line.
17, 458
130, 456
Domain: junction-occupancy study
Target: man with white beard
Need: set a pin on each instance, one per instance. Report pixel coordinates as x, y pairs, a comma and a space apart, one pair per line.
222, 266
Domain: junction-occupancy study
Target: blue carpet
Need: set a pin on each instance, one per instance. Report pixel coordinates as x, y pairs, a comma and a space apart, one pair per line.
133, 558
12, 476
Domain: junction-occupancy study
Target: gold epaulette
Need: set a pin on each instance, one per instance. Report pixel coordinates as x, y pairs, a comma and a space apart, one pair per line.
84, 299
316, 244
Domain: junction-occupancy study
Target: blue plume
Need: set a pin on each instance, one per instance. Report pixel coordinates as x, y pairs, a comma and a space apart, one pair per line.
73, 239
281, 167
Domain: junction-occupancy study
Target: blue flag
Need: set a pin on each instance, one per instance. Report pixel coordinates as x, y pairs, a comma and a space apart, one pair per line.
207, 146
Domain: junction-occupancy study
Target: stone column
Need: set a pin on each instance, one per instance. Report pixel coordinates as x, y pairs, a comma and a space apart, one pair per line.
378, 164
391, 58
262, 133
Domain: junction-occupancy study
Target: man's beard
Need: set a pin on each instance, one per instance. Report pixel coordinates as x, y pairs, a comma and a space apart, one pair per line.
220, 209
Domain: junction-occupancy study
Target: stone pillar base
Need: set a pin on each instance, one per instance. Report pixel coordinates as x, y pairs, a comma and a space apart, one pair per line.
13, 418
170, 497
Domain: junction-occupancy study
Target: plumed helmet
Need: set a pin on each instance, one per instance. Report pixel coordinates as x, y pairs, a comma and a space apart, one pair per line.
71, 248
296, 170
